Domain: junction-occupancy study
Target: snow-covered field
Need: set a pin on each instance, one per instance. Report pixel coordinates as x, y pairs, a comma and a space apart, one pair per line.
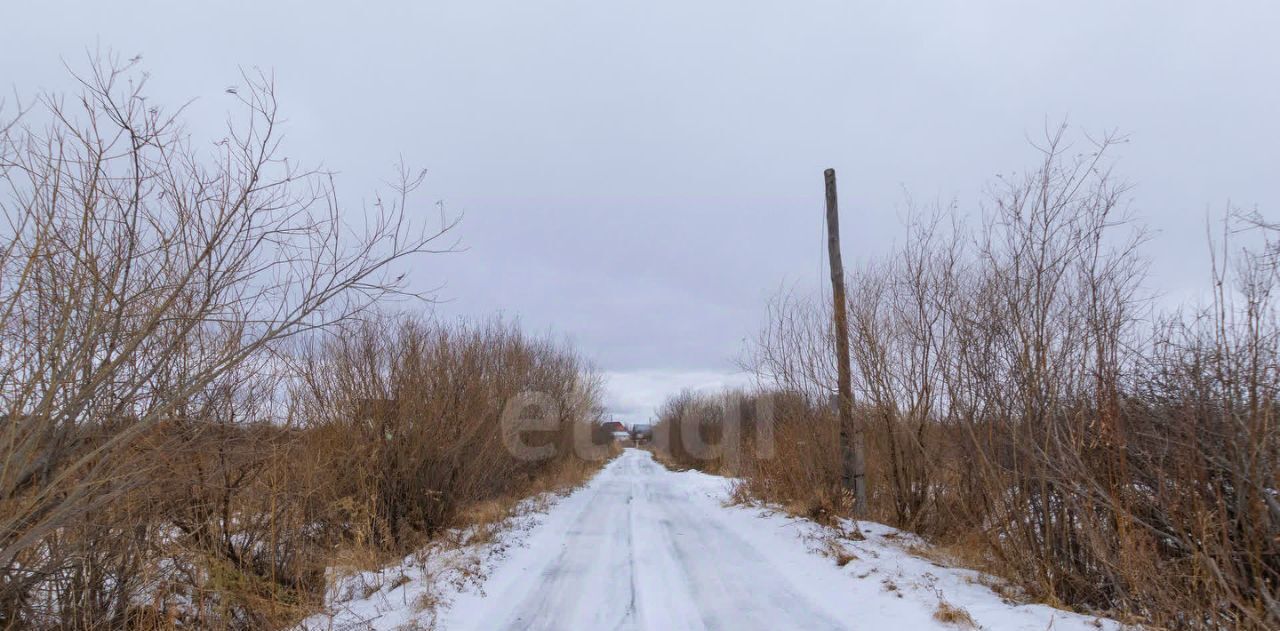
641, 547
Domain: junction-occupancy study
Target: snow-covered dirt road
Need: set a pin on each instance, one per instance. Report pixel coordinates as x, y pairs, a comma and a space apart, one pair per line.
641, 547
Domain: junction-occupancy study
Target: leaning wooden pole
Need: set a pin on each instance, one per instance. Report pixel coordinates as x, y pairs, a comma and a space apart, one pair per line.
852, 453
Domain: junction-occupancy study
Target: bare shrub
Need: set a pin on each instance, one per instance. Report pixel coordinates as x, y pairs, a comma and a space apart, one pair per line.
414, 413
179, 446
689, 431
138, 273
1018, 401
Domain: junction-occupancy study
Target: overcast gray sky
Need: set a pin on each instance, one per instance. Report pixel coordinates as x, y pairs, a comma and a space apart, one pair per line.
639, 176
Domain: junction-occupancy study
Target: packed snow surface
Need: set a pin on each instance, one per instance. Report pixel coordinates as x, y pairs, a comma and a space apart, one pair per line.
642, 547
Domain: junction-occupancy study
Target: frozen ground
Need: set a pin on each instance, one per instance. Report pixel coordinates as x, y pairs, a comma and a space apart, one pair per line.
641, 547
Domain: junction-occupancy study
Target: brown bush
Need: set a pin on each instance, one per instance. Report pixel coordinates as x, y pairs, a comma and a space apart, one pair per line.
235, 522
1016, 402
413, 414
177, 447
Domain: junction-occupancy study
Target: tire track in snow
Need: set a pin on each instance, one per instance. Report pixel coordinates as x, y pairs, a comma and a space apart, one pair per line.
641, 553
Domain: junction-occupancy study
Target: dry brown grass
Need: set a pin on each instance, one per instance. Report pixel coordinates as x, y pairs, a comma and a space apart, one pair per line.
838, 553
948, 613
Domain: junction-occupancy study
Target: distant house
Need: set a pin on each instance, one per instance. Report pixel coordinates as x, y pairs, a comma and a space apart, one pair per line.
641, 432
617, 429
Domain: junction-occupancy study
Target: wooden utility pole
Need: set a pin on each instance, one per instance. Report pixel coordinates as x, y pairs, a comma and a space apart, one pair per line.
852, 454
